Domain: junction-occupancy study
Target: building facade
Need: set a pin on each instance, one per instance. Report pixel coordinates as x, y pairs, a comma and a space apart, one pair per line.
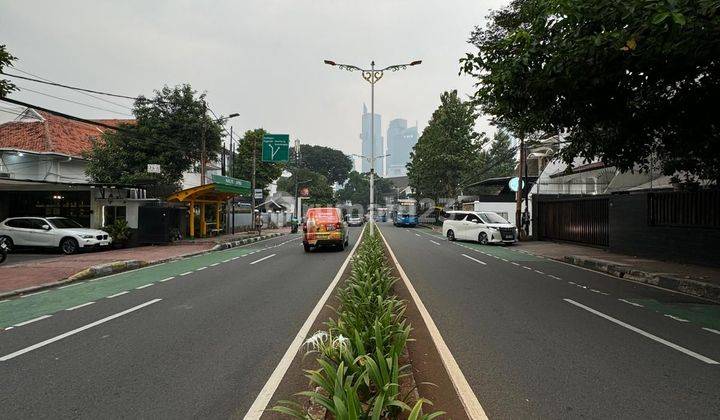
367, 143
400, 142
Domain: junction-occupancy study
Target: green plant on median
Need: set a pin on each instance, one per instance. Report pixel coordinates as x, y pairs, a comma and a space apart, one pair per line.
359, 374
119, 231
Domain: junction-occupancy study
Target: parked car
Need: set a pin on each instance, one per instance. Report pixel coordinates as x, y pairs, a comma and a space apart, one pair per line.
54, 232
324, 226
484, 227
355, 220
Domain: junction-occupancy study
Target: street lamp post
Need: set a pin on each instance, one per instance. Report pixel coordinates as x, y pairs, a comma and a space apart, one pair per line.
372, 76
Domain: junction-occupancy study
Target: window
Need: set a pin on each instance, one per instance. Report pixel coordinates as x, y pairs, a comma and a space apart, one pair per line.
17, 223
63, 223
36, 224
492, 218
473, 218
113, 213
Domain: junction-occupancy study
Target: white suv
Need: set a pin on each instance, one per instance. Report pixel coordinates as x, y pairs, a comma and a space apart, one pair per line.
481, 226
54, 232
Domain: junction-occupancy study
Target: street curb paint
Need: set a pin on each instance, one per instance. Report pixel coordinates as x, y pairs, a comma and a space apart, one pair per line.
662, 280
103, 270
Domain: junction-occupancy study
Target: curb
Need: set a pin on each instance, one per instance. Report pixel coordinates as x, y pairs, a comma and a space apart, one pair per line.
115, 267
668, 281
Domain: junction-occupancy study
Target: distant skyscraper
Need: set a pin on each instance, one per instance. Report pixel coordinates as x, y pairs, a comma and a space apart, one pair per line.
400, 141
367, 145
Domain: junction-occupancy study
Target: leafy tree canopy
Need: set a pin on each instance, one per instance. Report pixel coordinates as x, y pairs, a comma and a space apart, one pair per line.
321, 192
447, 149
497, 161
6, 59
357, 189
329, 162
168, 130
265, 172
630, 82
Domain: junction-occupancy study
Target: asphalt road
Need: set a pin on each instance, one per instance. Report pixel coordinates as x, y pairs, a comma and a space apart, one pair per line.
540, 339
192, 338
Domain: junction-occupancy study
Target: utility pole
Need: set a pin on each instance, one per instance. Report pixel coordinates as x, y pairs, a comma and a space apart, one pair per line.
298, 210
519, 192
203, 152
252, 212
232, 173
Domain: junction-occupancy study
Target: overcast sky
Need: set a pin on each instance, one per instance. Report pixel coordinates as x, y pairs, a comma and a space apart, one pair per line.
260, 58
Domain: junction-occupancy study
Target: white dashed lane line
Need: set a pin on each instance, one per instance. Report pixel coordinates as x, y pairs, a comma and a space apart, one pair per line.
32, 320
711, 330
200, 269
436, 243
473, 259
631, 303
117, 294
214, 264
676, 318
167, 279
555, 277
262, 259
186, 273
144, 286
79, 306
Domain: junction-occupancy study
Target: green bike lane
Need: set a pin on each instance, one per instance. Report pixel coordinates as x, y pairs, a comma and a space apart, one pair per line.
21, 311
683, 308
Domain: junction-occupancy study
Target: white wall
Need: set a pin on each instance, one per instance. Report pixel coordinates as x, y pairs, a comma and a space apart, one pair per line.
43, 167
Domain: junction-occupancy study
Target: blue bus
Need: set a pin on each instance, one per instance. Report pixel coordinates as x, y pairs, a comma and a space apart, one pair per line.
406, 213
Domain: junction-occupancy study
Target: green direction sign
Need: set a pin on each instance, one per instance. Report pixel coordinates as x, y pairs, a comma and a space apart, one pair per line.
230, 184
276, 148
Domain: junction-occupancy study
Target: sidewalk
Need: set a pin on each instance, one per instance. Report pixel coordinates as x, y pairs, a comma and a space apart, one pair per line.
50, 270
692, 279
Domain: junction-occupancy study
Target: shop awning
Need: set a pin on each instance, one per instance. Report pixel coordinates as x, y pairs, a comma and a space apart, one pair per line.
222, 188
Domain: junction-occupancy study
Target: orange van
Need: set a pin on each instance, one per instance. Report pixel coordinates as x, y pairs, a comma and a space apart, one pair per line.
324, 226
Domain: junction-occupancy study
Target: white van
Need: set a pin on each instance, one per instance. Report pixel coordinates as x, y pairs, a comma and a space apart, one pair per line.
482, 226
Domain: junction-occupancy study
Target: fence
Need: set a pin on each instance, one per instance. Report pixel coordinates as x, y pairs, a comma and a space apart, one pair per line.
579, 219
684, 209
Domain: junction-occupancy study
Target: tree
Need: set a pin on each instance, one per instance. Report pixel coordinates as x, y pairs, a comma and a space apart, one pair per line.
357, 189
321, 192
630, 82
329, 162
6, 59
446, 151
265, 172
167, 130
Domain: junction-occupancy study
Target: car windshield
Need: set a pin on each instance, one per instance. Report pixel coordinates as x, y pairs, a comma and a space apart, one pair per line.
492, 218
62, 223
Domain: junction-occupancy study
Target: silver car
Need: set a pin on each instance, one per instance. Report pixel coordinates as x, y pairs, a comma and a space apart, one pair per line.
51, 232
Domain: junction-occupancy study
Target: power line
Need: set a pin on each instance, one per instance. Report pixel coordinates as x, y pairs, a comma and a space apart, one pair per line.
81, 92
74, 102
70, 117
74, 87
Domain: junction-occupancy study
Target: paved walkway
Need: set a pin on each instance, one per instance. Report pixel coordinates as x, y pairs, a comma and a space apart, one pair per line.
24, 274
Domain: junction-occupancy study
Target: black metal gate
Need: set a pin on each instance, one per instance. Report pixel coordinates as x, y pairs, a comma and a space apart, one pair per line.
156, 225
578, 219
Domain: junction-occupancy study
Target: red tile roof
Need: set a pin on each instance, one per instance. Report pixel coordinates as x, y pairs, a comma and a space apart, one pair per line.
53, 135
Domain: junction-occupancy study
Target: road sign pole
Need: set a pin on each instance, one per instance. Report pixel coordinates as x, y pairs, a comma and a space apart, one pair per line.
252, 211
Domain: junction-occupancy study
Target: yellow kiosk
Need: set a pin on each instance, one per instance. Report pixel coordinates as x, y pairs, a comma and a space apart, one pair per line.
222, 189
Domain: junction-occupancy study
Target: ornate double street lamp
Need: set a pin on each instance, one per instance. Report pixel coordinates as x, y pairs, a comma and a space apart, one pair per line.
372, 76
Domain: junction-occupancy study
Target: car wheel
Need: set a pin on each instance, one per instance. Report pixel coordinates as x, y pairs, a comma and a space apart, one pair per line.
450, 235
8, 242
68, 246
482, 238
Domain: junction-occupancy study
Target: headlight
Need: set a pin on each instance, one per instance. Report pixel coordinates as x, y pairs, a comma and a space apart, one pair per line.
87, 236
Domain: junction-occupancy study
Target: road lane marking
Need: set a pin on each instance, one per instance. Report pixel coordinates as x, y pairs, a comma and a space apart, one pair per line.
469, 401
117, 294
513, 263
539, 272
201, 268
234, 258
417, 234
631, 303
167, 279
79, 306
71, 285
144, 286
34, 294
597, 291
213, 265
644, 333
75, 331
186, 273
263, 259
676, 318
504, 259
436, 243
228, 260
471, 258
261, 401
32, 320
555, 277
711, 330
526, 267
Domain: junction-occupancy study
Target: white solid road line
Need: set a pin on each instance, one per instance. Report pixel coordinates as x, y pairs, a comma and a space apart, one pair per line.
36, 293
469, 401
436, 243
79, 306
117, 294
75, 331
32, 320
71, 285
471, 258
144, 286
167, 279
263, 259
261, 401
644, 333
